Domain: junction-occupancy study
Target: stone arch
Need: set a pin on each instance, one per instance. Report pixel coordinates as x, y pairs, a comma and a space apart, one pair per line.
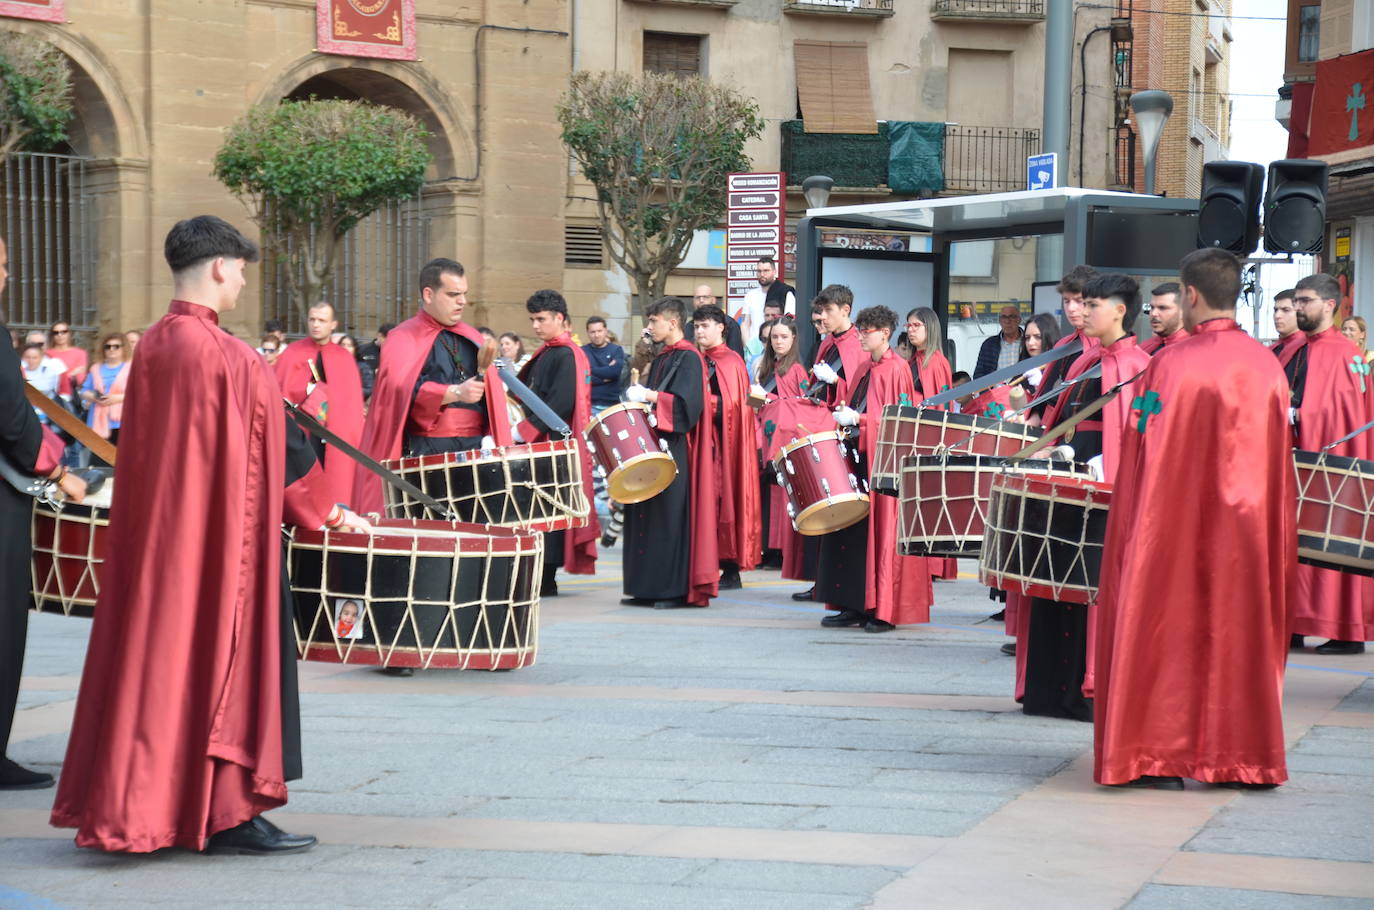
401, 85
104, 125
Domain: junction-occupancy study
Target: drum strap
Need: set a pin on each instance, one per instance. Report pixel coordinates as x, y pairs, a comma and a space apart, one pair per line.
1348, 436
1297, 376
1006, 373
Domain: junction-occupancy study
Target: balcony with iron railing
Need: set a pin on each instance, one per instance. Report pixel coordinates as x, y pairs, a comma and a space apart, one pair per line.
935, 158
874, 9
1003, 11
709, 4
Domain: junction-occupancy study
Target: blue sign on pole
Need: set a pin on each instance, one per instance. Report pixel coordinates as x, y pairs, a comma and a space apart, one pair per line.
1042, 171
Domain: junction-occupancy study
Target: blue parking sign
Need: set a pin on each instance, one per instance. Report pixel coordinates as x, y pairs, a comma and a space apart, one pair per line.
1042, 171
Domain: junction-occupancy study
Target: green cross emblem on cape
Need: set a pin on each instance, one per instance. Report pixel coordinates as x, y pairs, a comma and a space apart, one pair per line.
1148, 405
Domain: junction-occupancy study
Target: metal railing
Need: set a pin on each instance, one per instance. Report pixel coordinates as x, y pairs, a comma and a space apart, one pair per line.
991, 8
1125, 158
49, 230
987, 159
839, 5
374, 280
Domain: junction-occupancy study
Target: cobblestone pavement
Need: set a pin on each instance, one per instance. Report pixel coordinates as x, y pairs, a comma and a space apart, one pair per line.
735, 757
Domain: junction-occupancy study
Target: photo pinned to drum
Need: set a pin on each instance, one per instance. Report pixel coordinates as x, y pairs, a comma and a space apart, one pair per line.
416, 593
69, 544
536, 486
822, 475
1043, 536
943, 505
636, 462
904, 430
1335, 512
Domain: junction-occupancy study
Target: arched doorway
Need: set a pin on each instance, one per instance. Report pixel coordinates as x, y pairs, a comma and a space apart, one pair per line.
374, 282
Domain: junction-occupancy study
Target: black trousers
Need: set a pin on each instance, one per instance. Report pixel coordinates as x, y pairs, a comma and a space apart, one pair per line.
15, 583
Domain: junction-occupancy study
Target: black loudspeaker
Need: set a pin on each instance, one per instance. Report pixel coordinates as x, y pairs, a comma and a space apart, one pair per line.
1295, 206
1228, 212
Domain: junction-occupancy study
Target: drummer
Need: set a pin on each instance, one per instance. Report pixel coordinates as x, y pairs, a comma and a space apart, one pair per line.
1056, 650
736, 448
670, 540
430, 397
1070, 288
860, 575
560, 374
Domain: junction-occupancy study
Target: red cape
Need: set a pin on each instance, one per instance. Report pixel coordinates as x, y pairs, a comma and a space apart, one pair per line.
852, 358
1120, 361
703, 575
936, 376
1191, 651
1154, 344
342, 389
579, 544
900, 585
777, 423
404, 354
178, 726
1285, 348
1336, 400
739, 527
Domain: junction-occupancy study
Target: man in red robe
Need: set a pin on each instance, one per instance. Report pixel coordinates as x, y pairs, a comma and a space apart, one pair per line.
37, 451
1166, 318
1190, 661
735, 443
1333, 394
670, 540
560, 374
181, 723
1070, 288
323, 377
838, 361
428, 398
1058, 654
1286, 324
860, 575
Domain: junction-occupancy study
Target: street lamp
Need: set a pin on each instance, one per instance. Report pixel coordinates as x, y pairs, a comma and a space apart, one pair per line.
817, 191
1152, 109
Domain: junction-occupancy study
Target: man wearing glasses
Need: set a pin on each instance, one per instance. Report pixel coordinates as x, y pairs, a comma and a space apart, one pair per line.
1332, 394
1004, 348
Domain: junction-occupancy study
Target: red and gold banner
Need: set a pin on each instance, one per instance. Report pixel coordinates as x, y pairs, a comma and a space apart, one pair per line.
365, 28
42, 10
1342, 118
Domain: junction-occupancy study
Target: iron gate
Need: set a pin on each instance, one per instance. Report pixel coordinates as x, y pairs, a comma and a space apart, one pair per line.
49, 230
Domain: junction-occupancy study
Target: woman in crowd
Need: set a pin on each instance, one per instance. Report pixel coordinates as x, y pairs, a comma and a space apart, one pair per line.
103, 390
931, 372
1039, 335
512, 349
779, 374
365, 371
1355, 328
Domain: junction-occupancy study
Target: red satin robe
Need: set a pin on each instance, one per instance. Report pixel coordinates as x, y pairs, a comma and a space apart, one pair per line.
786, 416
178, 726
932, 376
901, 592
739, 523
1286, 347
851, 358
1190, 660
393, 399
579, 544
1336, 400
1154, 344
342, 394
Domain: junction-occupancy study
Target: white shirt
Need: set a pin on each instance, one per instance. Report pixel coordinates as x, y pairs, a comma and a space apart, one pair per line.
750, 316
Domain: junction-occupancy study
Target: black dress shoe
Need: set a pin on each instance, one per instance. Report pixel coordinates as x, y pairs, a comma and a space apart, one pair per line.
258, 837
730, 581
808, 594
878, 625
607, 541
14, 776
1009, 649
676, 603
549, 588
636, 602
843, 618
1238, 785
1336, 646
1296, 643
999, 616
399, 671
1152, 782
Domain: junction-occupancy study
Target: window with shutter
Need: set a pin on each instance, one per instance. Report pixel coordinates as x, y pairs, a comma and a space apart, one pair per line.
582, 245
672, 54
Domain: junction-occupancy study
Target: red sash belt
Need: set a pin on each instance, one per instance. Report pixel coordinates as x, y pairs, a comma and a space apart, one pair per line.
454, 422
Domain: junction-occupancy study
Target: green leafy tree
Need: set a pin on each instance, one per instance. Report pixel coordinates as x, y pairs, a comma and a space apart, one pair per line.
657, 149
35, 94
311, 170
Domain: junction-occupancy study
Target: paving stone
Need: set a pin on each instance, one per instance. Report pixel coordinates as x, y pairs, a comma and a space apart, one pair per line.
1180, 897
810, 878
660, 812
1362, 699
511, 894
857, 796
477, 864
931, 822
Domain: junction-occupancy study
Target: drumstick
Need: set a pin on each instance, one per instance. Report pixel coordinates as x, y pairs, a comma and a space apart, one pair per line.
634, 377
486, 355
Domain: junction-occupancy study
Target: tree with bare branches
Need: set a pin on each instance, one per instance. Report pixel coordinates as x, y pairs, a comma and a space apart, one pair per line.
657, 149
311, 170
35, 94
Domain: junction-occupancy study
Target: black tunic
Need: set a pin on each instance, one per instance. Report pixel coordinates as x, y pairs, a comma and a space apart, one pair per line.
658, 532
21, 436
300, 458
842, 564
452, 360
552, 376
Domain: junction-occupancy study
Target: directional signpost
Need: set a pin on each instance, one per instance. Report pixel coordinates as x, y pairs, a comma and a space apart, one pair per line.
754, 228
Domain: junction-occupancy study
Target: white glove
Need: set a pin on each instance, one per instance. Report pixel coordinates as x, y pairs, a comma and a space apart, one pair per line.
1096, 464
1061, 453
846, 416
1034, 376
758, 391
515, 434
1293, 416
488, 442
637, 393
824, 372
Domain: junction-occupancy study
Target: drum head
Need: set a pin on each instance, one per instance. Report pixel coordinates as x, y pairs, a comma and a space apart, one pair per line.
830, 515
642, 477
